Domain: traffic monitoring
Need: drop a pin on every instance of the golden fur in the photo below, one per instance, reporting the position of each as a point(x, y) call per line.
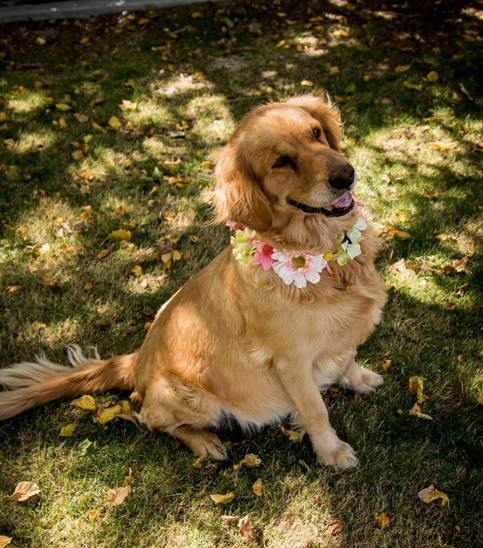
point(236, 342)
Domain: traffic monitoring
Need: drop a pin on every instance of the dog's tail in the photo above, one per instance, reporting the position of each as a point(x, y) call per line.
point(30, 384)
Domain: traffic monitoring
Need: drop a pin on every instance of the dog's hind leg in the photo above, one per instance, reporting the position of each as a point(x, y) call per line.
point(359, 379)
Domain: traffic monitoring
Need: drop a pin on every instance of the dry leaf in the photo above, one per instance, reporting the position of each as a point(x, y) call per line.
point(93, 514)
point(334, 70)
point(85, 402)
point(9, 144)
point(415, 411)
point(62, 106)
point(137, 271)
point(386, 365)
point(245, 528)
point(291, 434)
point(403, 68)
point(106, 415)
point(250, 461)
point(77, 155)
point(335, 528)
point(120, 234)
point(416, 388)
point(381, 520)
point(67, 431)
point(5, 541)
point(114, 122)
point(128, 479)
point(117, 496)
point(307, 83)
point(198, 463)
point(14, 288)
point(222, 499)
point(258, 488)
point(443, 145)
point(431, 493)
point(230, 519)
point(25, 490)
point(166, 258)
point(432, 76)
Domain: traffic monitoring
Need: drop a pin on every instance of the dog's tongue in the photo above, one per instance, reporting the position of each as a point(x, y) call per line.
point(344, 201)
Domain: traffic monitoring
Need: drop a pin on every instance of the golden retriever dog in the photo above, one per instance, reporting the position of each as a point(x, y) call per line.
point(273, 320)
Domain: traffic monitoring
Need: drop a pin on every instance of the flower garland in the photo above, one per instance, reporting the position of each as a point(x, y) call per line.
point(296, 268)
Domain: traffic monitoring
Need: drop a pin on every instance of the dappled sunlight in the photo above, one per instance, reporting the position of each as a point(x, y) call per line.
point(26, 102)
point(181, 84)
point(145, 112)
point(36, 141)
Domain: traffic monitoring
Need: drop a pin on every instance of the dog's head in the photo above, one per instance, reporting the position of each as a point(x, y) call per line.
point(283, 167)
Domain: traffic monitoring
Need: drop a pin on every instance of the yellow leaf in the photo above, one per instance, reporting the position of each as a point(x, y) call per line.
point(280, 44)
point(14, 288)
point(114, 122)
point(401, 215)
point(431, 493)
point(198, 463)
point(250, 461)
point(117, 496)
point(98, 127)
point(386, 365)
point(120, 234)
point(93, 514)
point(126, 407)
point(77, 155)
point(403, 68)
point(307, 83)
point(416, 388)
point(381, 520)
point(62, 123)
point(196, 15)
point(85, 40)
point(176, 255)
point(5, 541)
point(402, 235)
point(207, 165)
point(9, 144)
point(291, 434)
point(67, 431)
point(103, 254)
point(85, 402)
point(108, 414)
point(62, 106)
point(128, 479)
point(432, 76)
point(258, 488)
point(334, 70)
point(222, 499)
point(415, 411)
point(137, 271)
point(166, 258)
point(25, 490)
point(443, 145)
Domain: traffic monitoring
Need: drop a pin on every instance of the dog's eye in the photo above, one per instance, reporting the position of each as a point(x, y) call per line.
point(317, 133)
point(282, 161)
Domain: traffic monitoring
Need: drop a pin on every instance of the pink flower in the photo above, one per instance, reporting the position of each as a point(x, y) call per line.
point(298, 268)
point(263, 255)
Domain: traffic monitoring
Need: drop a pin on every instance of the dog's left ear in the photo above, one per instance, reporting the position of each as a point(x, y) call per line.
point(325, 113)
point(239, 198)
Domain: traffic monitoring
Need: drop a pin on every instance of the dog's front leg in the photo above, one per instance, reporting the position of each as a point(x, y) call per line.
point(298, 380)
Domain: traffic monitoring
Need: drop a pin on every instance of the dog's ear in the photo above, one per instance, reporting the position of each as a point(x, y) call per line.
point(325, 113)
point(239, 198)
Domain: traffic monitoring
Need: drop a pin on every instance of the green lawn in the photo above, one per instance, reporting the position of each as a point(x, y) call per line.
point(177, 81)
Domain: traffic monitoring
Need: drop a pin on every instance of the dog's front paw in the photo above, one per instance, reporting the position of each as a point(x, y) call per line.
point(364, 381)
point(339, 454)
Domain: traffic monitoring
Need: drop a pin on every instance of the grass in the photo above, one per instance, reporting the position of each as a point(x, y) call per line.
point(198, 70)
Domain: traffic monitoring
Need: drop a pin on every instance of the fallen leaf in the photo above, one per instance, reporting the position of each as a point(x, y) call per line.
point(85, 402)
point(386, 365)
point(335, 528)
point(415, 411)
point(230, 519)
point(334, 70)
point(117, 496)
point(14, 288)
point(114, 122)
point(81, 118)
point(381, 520)
point(291, 434)
point(207, 165)
point(222, 499)
point(307, 83)
point(9, 144)
point(93, 514)
point(103, 254)
point(84, 446)
point(128, 479)
point(198, 463)
point(108, 414)
point(25, 490)
point(77, 155)
point(5, 541)
point(416, 388)
point(258, 488)
point(402, 68)
point(166, 258)
point(443, 145)
point(120, 234)
point(62, 106)
point(409, 85)
point(245, 528)
point(137, 271)
point(432, 76)
point(250, 461)
point(431, 493)
point(67, 431)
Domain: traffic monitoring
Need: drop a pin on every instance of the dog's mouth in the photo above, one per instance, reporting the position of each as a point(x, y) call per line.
point(343, 206)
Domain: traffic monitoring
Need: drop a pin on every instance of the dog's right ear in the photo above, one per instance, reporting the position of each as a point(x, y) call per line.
point(239, 198)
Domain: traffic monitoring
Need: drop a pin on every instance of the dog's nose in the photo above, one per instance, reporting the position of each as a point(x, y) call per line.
point(342, 177)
